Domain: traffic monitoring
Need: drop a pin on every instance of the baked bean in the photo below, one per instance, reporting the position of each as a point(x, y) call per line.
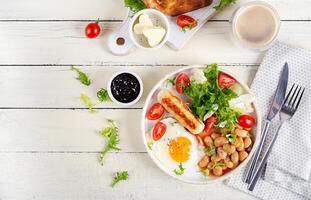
point(200, 141)
point(247, 142)
point(221, 153)
point(220, 141)
point(235, 158)
point(229, 148)
point(224, 167)
point(208, 141)
point(204, 162)
point(243, 155)
point(229, 164)
point(241, 146)
point(217, 171)
point(215, 158)
point(240, 132)
point(215, 135)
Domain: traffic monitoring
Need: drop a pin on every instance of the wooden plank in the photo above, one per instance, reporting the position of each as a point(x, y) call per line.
point(79, 176)
point(67, 130)
point(114, 10)
point(56, 86)
point(65, 43)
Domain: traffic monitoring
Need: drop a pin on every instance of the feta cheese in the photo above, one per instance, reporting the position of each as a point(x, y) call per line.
point(197, 76)
point(154, 35)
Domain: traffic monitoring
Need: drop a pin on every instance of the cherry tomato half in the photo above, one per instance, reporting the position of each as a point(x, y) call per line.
point(225, 80)
point(246, 121)
point(92, 30)
point(155, 112)
point(158, 131)
point(182, 81)
point(209, 124)
point(185, 21)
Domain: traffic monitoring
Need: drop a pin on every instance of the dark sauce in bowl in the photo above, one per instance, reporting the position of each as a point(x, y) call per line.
point(125, 87)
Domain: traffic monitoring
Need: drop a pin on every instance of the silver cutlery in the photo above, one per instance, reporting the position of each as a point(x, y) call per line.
point(288, 109)
point(274, 109)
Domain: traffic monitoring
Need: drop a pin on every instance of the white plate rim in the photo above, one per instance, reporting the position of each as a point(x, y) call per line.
point(208, 181)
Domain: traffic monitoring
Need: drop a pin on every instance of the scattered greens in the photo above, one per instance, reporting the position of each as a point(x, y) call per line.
point(82, 77)
point(210, 150)
point(111, 133)
point(224, 3)
point(205, 95)
point(180, 170)
point(119, 176)
point(150, 144)
point(87, 101)
point(170, 81)
point(103, 96)
point(135, 5)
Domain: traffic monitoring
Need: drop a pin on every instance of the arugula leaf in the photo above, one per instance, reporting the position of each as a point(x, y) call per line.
point(82, 77)
point(180, 170)
point(88, 103)
point(119, 176)
point(224, 3)
point(111, 133)
point(135, 5)
point(103, 96)
point(210, 150)
point(205, 95)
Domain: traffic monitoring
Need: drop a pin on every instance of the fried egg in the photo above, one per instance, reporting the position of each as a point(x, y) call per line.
point(177, 146)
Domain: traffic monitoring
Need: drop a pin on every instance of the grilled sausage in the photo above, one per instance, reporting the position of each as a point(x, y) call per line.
point(180, 111)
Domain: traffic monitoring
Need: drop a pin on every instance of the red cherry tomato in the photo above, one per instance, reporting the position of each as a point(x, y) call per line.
point(92, 30)
point(246, 121)
point(158, 131)
point(185, 21)
point(209, 124)
point(155, 112)
point(225, 80)
point(182, 81)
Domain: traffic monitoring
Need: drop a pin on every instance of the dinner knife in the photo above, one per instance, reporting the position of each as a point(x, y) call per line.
point(275, 108)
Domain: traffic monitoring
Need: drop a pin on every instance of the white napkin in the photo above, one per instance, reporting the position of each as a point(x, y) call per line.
point(289, 166)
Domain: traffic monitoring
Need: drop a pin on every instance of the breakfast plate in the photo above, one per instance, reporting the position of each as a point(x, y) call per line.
point(200, 124)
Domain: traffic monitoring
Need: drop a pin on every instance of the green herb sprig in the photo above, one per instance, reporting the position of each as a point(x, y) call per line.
point(103, 96)
point(82, 77)
point(119, 176)
point(180, 170)
point(224, 3)
point(135, 5)
point(88, 103)
point(111, 133)
point(210, 150)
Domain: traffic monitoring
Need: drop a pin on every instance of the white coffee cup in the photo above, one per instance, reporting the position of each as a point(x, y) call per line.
point(255, 25)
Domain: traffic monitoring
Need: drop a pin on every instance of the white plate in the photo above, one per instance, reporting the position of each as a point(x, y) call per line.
point(146, 125)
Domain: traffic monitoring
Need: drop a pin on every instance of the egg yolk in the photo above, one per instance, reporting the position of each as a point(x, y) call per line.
point(179, 149)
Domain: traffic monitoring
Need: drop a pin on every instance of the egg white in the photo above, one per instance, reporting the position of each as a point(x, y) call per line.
point(160, 147)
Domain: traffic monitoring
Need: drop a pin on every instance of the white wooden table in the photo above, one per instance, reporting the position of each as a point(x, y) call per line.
point(48, 142)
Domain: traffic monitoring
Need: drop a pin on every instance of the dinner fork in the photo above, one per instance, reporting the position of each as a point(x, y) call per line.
point(288, 110)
